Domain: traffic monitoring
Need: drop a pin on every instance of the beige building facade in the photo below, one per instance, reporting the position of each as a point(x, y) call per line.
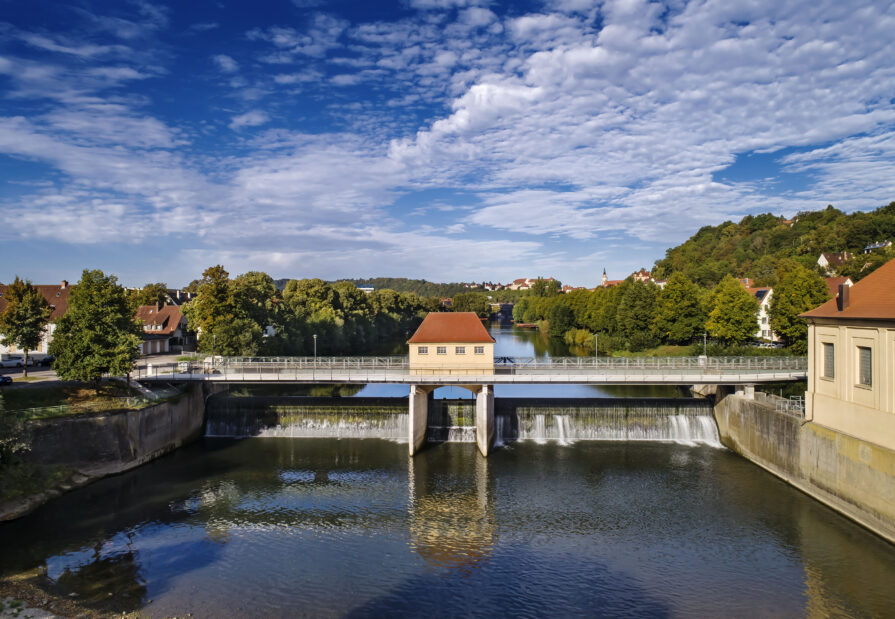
point(451, 343)
point(851, 354)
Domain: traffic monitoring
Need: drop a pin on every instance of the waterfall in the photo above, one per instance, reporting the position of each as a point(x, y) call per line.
point(679, 420)
point(307, 417)
point(451, 421)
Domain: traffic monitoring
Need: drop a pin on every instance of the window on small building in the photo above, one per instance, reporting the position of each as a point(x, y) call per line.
point(460, 350)
point(480, 350)
point(865, 366)
point(441, 350)
point(829, 361)
point(423, 350)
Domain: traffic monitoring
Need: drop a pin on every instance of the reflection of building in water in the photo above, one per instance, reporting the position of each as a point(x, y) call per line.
point(452, 522)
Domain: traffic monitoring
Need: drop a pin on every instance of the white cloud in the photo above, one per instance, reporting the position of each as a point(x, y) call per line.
point(252, 118)
point(225, 63)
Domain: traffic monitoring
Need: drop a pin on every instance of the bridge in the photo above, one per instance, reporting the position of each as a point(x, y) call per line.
point(506, 370)
point(746, 371)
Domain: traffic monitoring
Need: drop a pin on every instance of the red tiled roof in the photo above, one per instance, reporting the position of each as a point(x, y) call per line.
point(833, 284)
point(871, 298)
point(168, 317)
point(55, 294)
point(451, 327)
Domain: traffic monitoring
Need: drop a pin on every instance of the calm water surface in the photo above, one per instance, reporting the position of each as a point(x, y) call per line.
point(280, 527)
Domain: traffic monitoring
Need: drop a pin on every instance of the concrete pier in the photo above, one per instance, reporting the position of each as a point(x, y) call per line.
point(418, 422)
point(484, 418)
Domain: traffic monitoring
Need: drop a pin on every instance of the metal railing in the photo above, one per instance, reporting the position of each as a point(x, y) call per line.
point(794, 405)
point(291, 368)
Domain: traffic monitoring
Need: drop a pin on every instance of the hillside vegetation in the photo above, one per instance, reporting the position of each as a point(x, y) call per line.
point(764, 246)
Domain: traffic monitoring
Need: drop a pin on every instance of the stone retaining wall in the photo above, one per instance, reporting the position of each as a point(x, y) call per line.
point(854, 477)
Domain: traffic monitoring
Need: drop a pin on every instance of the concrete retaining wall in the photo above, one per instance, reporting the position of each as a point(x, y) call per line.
point(854, 477)
point(107, 443)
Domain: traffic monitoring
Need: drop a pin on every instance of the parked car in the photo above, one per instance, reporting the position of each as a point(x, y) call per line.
point(5, 380)
point(12, 361)
point(46, 361)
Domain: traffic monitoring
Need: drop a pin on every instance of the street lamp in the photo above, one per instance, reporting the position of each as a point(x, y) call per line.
point(704, 344)
point(315, 350)
point(596, 346)
point(214, 339)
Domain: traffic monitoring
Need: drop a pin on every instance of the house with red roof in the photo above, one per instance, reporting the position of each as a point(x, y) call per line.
point(851, 359)
point(164, 329)
point(57, 296)
point(451, 343)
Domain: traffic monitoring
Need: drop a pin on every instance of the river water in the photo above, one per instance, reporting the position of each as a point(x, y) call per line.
point(284, 527)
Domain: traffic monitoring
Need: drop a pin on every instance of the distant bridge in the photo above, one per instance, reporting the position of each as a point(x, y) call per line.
point(507, 370)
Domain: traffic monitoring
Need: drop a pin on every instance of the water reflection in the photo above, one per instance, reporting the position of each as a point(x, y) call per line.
point(452, 522)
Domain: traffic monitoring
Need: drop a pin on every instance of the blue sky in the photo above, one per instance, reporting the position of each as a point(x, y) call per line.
point(444, 139)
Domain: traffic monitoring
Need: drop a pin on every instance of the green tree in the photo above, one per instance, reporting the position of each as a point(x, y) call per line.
point(98, 334)
point(635, 312)
point(733, 317)
point(472, 302)
point(150, 294)
point(679, 316)
point(561, 319)
point(212, 308)
point(799, 291)
point(545, 287)
point(25, 319)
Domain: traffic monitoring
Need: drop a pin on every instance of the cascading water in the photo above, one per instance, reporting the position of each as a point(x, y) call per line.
point(451, 421)
point(679, 420)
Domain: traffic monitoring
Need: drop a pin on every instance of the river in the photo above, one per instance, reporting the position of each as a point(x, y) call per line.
point(283, 527)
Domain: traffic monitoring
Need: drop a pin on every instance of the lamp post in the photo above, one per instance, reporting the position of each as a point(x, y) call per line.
point(214, 339)
point(704, 344)
point(315, 350)
point(596, 347)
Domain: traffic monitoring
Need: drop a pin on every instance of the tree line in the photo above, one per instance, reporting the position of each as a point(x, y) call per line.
point(637, 315)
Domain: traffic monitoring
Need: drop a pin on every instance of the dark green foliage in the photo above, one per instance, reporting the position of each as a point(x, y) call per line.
point(799, 291)
point(545, 287)
point(150, 294)
point(754, 247)
point(679, 315)
point(635, 314)
point(98, 334)
point(25, 319)
point(733, 317)
point(561, 319)
point(472, 302)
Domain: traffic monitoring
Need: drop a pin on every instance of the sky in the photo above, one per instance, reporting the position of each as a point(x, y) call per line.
point(451, 140)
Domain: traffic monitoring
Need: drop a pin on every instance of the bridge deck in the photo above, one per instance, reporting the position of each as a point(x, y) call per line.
point(562, 370)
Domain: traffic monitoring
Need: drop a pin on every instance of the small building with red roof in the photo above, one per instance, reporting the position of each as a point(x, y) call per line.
point(451, 343)
point(851, 359)
point(163, 328)
point(57, 296)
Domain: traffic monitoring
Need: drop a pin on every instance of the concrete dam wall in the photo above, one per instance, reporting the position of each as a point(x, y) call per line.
point(854, 477)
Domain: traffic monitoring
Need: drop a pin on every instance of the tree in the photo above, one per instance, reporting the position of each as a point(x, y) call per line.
point(25, 319)
point(561, 319)
point(799, 291)
point(98, 334)
point(545, 287)
point(472, 302)
point(635, 312)
point(733, 318)
point(212, 307)
point(678, 316)
point(150, 294)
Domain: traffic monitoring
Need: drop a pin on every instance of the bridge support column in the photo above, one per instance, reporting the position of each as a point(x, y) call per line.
point(418, 418)
point(746, 391)
point(484, 418)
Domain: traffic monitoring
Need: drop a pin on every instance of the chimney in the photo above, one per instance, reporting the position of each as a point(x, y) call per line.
point(64, 284)
point(842, 298)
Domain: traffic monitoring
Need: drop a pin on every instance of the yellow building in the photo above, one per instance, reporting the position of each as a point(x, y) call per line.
point(451, 343)
point(851, 360)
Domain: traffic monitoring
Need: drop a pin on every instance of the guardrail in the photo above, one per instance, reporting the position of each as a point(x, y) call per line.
point(375, 368)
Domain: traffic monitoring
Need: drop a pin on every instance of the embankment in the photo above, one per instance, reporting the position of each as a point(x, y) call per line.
point(101, 444)
point(854, 477)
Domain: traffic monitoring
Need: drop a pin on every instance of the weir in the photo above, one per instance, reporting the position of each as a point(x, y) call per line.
point(560, 420)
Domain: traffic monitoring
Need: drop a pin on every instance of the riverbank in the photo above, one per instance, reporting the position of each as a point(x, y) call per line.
point(68, 452)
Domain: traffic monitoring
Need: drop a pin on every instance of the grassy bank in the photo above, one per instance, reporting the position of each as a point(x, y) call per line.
point(42, 401)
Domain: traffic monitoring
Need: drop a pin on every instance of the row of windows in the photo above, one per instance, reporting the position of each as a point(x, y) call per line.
point(458, 350)
point(865, 364)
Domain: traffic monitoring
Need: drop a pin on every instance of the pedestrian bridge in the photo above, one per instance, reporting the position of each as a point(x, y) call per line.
point(506, 370)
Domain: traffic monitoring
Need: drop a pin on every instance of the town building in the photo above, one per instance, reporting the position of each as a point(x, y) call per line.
point(642, 276)
point(57, 296)
point(851, 360)
point(451, 343)
point(878, 245)
point(164, 329)
point(763, 295)
point(830, 261)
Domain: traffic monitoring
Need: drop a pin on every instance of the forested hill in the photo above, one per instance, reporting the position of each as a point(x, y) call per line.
point(759, 246)
point(421, 287)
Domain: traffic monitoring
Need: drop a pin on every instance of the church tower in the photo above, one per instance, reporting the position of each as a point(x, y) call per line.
point(604, 279)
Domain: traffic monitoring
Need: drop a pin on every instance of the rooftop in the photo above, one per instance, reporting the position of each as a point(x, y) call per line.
point(871, 298)
point(463, 327)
